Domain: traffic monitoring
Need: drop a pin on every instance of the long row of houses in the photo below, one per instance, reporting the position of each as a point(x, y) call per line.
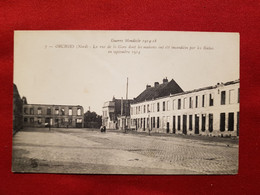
point(166, 108)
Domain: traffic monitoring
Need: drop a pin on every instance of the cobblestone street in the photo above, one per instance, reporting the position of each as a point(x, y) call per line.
point(90, 151)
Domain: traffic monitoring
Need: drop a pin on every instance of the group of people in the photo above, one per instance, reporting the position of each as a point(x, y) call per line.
point(103, 129)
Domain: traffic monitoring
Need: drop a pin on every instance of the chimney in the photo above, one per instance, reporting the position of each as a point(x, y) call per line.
point(156, 84)
point(165, 80)
point(24, 100)
point(148, 86)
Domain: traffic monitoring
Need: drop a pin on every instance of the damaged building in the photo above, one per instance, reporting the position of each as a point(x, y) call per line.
point(42, 115)
point(166, 108)
point(17, 110)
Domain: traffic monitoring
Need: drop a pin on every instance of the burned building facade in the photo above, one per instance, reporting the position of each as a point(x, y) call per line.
point(41, 115)
point(212, 111)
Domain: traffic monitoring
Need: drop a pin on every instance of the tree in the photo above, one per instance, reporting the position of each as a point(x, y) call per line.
point(92, 120)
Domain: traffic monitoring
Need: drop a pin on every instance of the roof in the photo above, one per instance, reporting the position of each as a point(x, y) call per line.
point(211, 87)
point(204, 88)
point(164, 89)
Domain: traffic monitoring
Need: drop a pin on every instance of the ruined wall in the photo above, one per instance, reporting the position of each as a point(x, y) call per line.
point(17, 110)
point(39, 115)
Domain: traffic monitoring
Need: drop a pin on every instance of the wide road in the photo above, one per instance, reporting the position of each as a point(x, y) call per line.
point(90, 151)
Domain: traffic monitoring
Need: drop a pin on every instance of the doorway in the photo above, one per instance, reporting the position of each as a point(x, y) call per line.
point(231, 121)
point(173, 125)
point(197, 120)
point(222, 121)
point(184, 124)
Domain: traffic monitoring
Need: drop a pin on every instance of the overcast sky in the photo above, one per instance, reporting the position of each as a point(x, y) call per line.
point(45, 73)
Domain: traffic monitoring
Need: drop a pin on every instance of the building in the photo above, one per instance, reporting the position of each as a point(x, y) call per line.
point(17, 110)
point(212, 111)
point(115, 112)
point(159, 90)
point(41, 115)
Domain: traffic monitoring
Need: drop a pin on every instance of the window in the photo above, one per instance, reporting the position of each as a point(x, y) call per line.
point(211, 100)
point(148, 108)
point(78, 120)
point(190, 122)
point(163, 106)
point(144, 108)
point(79, 112)
point(184, 103)
point(191, 102)
point(223, 98)
point(158, 106)
point(25, 120)
point(39, 121)
point(179, 104)
point(31, 111)
point(173, 102)
point(25, 110)
point(39, 111)
point(210, 122)
point(57, 111)
point(168, 105)
point(32, 120)
point(153, 122)
point(62, 111)
point(48, 111)
point(158, 122)
point(196, 101)
point(203, 100)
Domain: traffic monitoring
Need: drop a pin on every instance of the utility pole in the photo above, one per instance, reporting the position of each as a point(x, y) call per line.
point(126, 104)
point(122, 112)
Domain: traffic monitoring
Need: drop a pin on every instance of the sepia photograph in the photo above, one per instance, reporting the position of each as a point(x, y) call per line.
point(126, 102)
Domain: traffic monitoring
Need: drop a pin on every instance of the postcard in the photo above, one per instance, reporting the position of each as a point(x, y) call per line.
point(126, 102)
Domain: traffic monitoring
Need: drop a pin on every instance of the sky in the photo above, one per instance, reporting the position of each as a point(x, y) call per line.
point(88, 68)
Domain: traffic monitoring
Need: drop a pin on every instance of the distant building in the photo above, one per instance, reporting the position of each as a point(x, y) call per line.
point(114, 112)
point(17, 110)
point(41, 115)
point(212, 111)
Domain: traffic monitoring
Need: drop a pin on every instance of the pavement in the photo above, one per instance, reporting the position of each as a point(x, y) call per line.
point(88, 151)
